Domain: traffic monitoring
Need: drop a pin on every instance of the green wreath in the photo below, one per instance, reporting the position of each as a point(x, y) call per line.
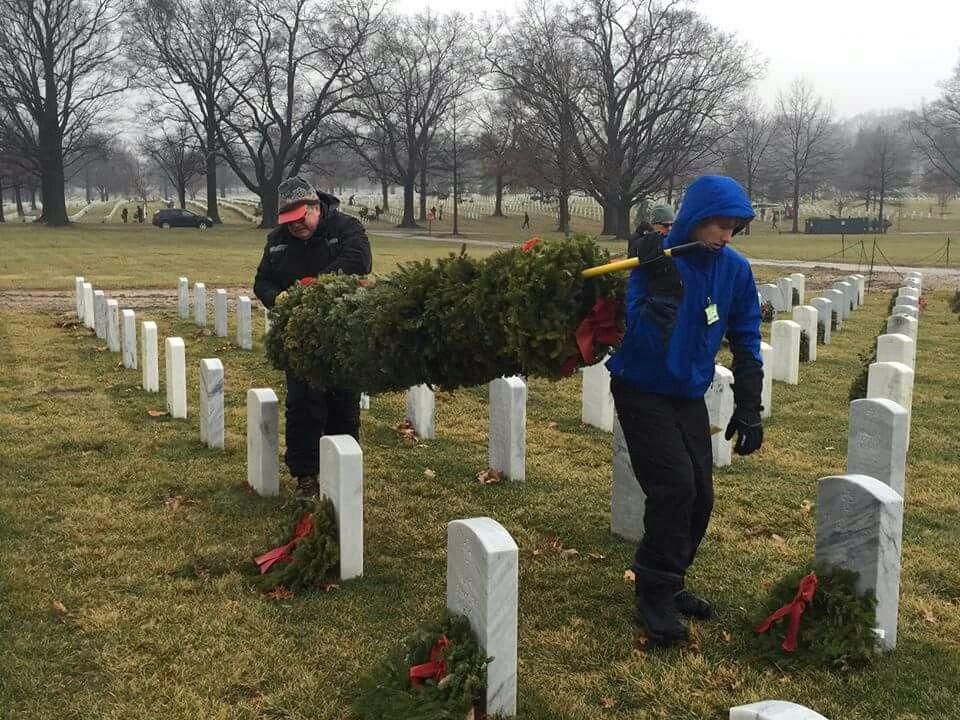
point(315, 561)
point(387, 692)
point(837, 626)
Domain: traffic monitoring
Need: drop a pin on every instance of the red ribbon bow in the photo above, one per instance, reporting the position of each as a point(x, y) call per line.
point(794, 608)
point(530, 244)
point(599, 326)
point(283, 553)
point(306, 282)
point(436, 668)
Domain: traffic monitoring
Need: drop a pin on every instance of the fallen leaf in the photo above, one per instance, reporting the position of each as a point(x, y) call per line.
point(177, 502)
point(929, 617)
point(552, 425)
point(806, 506)
point(157, 413)
point(569, 553)
point(490, 476)
point(428, 473)
point(597, 556)
point(328, 586)
point(830, 447)
point(60, 610)
point(778, 540)
point(629, 577)
point(607, 702)
point(538, 552)
point(101, 349)
point(279, 593)
point(727, 636)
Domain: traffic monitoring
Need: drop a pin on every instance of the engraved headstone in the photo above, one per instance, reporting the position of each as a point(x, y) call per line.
point(200, 304)
point(877, 441)
point(100, 314)
point(895, 347)
point(837, 299)
point(911, 310)
point(766, 393)
point(771, 293)
point(824, 308)
point(799, 281)
point(903, 324)
point(78, 295)
point(596, 402)
point(785, 338)
point(183, 299)
point(421, 407)
point(211, 402)
point(807, 317)
point(220, 313)
point(149, 359)
point(507, 451)
point(263, 441)
point(244, 323)
point(341, 480)
point(113, 326)
point(89, 307)
point(785, 286)
point(176, 376)
point(719, 400)
point(129, 339)
point(908, 291)
point(774, 710)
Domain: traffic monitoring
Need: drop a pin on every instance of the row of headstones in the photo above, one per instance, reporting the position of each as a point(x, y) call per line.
point(482, 557)
point(860, 514)
point(220, 314)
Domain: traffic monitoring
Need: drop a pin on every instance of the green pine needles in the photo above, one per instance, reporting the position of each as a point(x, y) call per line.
point(316, 559)
point(804, 346)
point(837, 627)
point(453, 322)
point(386, 693)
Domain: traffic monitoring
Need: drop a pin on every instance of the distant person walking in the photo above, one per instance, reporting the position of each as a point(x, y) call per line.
point(526, 221)
point(139, 214)
point(125, 215)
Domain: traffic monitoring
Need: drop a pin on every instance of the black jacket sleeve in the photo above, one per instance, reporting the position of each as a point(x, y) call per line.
point(265, 286)
point(354, 257)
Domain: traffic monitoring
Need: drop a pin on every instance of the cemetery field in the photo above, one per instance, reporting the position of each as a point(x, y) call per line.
point(126, 546)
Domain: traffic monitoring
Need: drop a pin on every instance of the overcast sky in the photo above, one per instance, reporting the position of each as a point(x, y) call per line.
point(861, 55)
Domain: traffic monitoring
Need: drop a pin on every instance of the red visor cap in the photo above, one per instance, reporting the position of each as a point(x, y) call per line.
point(293, 214)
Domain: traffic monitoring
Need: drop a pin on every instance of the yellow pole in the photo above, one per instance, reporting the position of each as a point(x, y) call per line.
point(633, 262)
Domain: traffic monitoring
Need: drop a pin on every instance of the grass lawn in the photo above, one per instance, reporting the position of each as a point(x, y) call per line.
point(158, 618)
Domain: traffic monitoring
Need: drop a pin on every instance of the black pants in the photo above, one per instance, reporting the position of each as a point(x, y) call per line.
point(670, 449)
point(311, 414)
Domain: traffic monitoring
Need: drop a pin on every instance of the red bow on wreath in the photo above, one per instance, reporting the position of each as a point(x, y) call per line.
point(794, 608)
point(283, 553)
point(436, 668)
point(530, 244)
point(599, 326)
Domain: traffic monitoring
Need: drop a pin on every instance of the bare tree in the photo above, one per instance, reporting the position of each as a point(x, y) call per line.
point(177, 154)
point(882, 161)
point(805, 141)
point(299, 75)
point(57, 73)
point(936, 130)
point(748, 143)
point(663, 90)
point(419, 66)
point(497, 144)
point(185, 51)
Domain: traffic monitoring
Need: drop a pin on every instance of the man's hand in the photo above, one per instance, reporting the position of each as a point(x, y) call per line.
point(748, 429)
point(306, 282)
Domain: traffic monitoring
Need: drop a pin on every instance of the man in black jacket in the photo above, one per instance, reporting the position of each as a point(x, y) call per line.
point(313, 238)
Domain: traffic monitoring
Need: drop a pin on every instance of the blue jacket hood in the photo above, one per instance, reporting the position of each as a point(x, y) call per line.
point(708, 196)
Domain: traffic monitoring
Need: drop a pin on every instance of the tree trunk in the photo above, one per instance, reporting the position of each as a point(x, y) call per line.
point(50, 158)
point(423, 191)
point(880, 199)
point(86, 185)
point(33, 198)
point(385, 192)
point(746, 230)
point(269, 200)
point(563, 211)
point(2, 218)
point(670, 190)
point(796, 205)
point(18, 197)
point(498, 202)
point(182, 196)
point(610, 212)
point(210, 127)
point(408, 184)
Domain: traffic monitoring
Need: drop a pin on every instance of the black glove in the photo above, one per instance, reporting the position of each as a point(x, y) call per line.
point(663, 274)
point(747, 427)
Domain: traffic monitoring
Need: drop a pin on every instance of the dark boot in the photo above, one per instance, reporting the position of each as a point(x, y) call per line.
point(307, 486)
point(656, 611)
point(693, 606)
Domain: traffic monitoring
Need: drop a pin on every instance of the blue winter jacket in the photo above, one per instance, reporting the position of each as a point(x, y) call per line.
point(670, 349)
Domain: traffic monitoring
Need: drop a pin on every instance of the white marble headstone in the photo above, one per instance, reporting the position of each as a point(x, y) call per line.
point(244, 323)
point(903, 324)
point(848, 290)
point(837, 299)
point(910, 310)
point(627, 499)
point(78, 293)
point(507, 451)
point(341, 480)
point(824, 308)
point(785, 285)
point(149, 360)
point(364, 401)
point(785, 338)
point(220, 313)
point(183, 299)
point(129, 339)
point(807, 317)
point(200, 304)
point(774, 710)
point(907, 300)
point(263, 441)
point(877, 441)
point(719, 399)
point(896, 347)
point(799, 281)
point(596, 402)
point(908, 291)
point(859, 528)
point(113, 326)
point(100, 314)
point(421, 407)
point(766, 393)
point(771, 293)
point(175, 359)
point(89, 307)
point(482, 585)
point(211, 402)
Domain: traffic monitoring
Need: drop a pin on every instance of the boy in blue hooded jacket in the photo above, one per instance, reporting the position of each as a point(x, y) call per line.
point(678, 310)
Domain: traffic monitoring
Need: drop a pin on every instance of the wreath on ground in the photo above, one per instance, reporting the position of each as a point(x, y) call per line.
point(453, 322)
point(438, 672)
point(768, 313)
point(834, 628)
point(308, 556)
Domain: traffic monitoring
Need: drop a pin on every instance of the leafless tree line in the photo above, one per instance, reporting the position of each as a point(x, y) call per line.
point(621, 100)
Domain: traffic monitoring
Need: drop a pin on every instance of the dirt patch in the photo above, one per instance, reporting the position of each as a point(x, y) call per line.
point(27, 300)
